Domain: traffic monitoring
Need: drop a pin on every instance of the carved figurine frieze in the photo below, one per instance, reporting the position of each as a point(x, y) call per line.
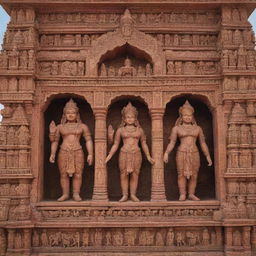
point(65, 68)
point(130, 158)
point(20, 212)
point(187, 40)
point(71, 155)
point(192, 68)
point(126, 71)
point(22, 16)
point(67, 40)
point(13, 58)
point(187, 158)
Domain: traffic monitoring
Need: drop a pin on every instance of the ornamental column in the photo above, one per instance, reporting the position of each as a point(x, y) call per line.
point(11, 233)
point(100, 175)
point(27, 239)
point(228, 237)
point(158, 187)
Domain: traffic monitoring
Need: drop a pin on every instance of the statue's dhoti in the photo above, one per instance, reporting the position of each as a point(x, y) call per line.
point(188, 163)
point(130, 161)
point(71, 161)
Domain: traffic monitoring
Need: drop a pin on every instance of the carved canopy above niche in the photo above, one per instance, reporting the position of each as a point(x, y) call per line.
point(126, 34)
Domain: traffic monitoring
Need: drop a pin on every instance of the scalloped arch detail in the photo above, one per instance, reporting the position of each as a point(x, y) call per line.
point(140, 40)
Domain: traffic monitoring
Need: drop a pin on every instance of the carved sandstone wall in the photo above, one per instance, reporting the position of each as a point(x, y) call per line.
point(198, 50)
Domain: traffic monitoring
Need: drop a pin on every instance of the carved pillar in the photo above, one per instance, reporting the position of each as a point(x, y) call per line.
point(253, 238)
point(228, 236)
point(27, 239)
point(247, 237)
point(11, 238)
point(158, 188)
point(100, 176)
point(219, 236)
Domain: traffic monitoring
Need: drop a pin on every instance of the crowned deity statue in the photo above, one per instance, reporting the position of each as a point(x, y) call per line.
point(130, 158)
point(70, 156)
point(127, 70)
point(187, 157)
point(127, 23)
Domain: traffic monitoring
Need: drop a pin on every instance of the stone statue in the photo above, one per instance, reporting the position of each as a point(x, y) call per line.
point(170, 237)
point(127, 70)
point(130, 158)
point(14, 58)
point(187, 158)
point(71, 155)
point(127, 23)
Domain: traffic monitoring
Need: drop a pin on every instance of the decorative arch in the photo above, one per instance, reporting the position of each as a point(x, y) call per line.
point(139, 40)
point(48, 98)
point(207, 98)
point(134, 96)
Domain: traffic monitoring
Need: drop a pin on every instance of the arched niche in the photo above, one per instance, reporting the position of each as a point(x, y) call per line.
point(51, 177)
point(116, 58)
point(114, 118)
point(205, 189)
point(138, 40)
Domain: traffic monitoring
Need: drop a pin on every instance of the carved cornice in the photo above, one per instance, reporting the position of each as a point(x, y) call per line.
point(128, 3)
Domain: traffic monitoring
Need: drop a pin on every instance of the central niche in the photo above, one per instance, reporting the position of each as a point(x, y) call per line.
point(114, 119)
point(125, 61)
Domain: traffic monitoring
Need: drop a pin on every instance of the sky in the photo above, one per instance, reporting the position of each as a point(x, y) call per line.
point(4, 19)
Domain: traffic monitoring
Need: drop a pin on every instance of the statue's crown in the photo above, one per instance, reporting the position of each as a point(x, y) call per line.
point(70, 105)
point(187, 106)
point(129, 109)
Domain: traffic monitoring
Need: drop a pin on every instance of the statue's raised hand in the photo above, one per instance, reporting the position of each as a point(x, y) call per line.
point(111, 132)
point(52, 127)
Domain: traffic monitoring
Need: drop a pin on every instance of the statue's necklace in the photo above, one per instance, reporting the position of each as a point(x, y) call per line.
point(71, 126)
point(130, 129)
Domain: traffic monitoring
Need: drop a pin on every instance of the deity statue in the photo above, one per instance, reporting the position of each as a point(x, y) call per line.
point(130, 158)
point(127, 70)
point(71, 155)
point(127, 23)
point(187, 158)
point(14, 58)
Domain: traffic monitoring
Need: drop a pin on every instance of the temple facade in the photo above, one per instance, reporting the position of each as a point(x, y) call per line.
point(102, 61)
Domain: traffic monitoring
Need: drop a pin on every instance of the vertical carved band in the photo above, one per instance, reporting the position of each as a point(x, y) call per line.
point(158, 188)
point(100, 176)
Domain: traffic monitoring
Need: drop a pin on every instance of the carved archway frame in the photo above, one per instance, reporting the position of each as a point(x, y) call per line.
point(137, 39)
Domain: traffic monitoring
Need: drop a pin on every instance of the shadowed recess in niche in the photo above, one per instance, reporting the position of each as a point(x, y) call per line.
point(52, 188)
point(206, 179)
point(114, 118)
point(117, 56)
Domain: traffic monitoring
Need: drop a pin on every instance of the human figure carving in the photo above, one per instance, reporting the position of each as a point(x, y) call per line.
point(130, 158)
point(71, 156)
point(187, 158)
point(14, 58)
point(127, 23)
point(127, 70)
